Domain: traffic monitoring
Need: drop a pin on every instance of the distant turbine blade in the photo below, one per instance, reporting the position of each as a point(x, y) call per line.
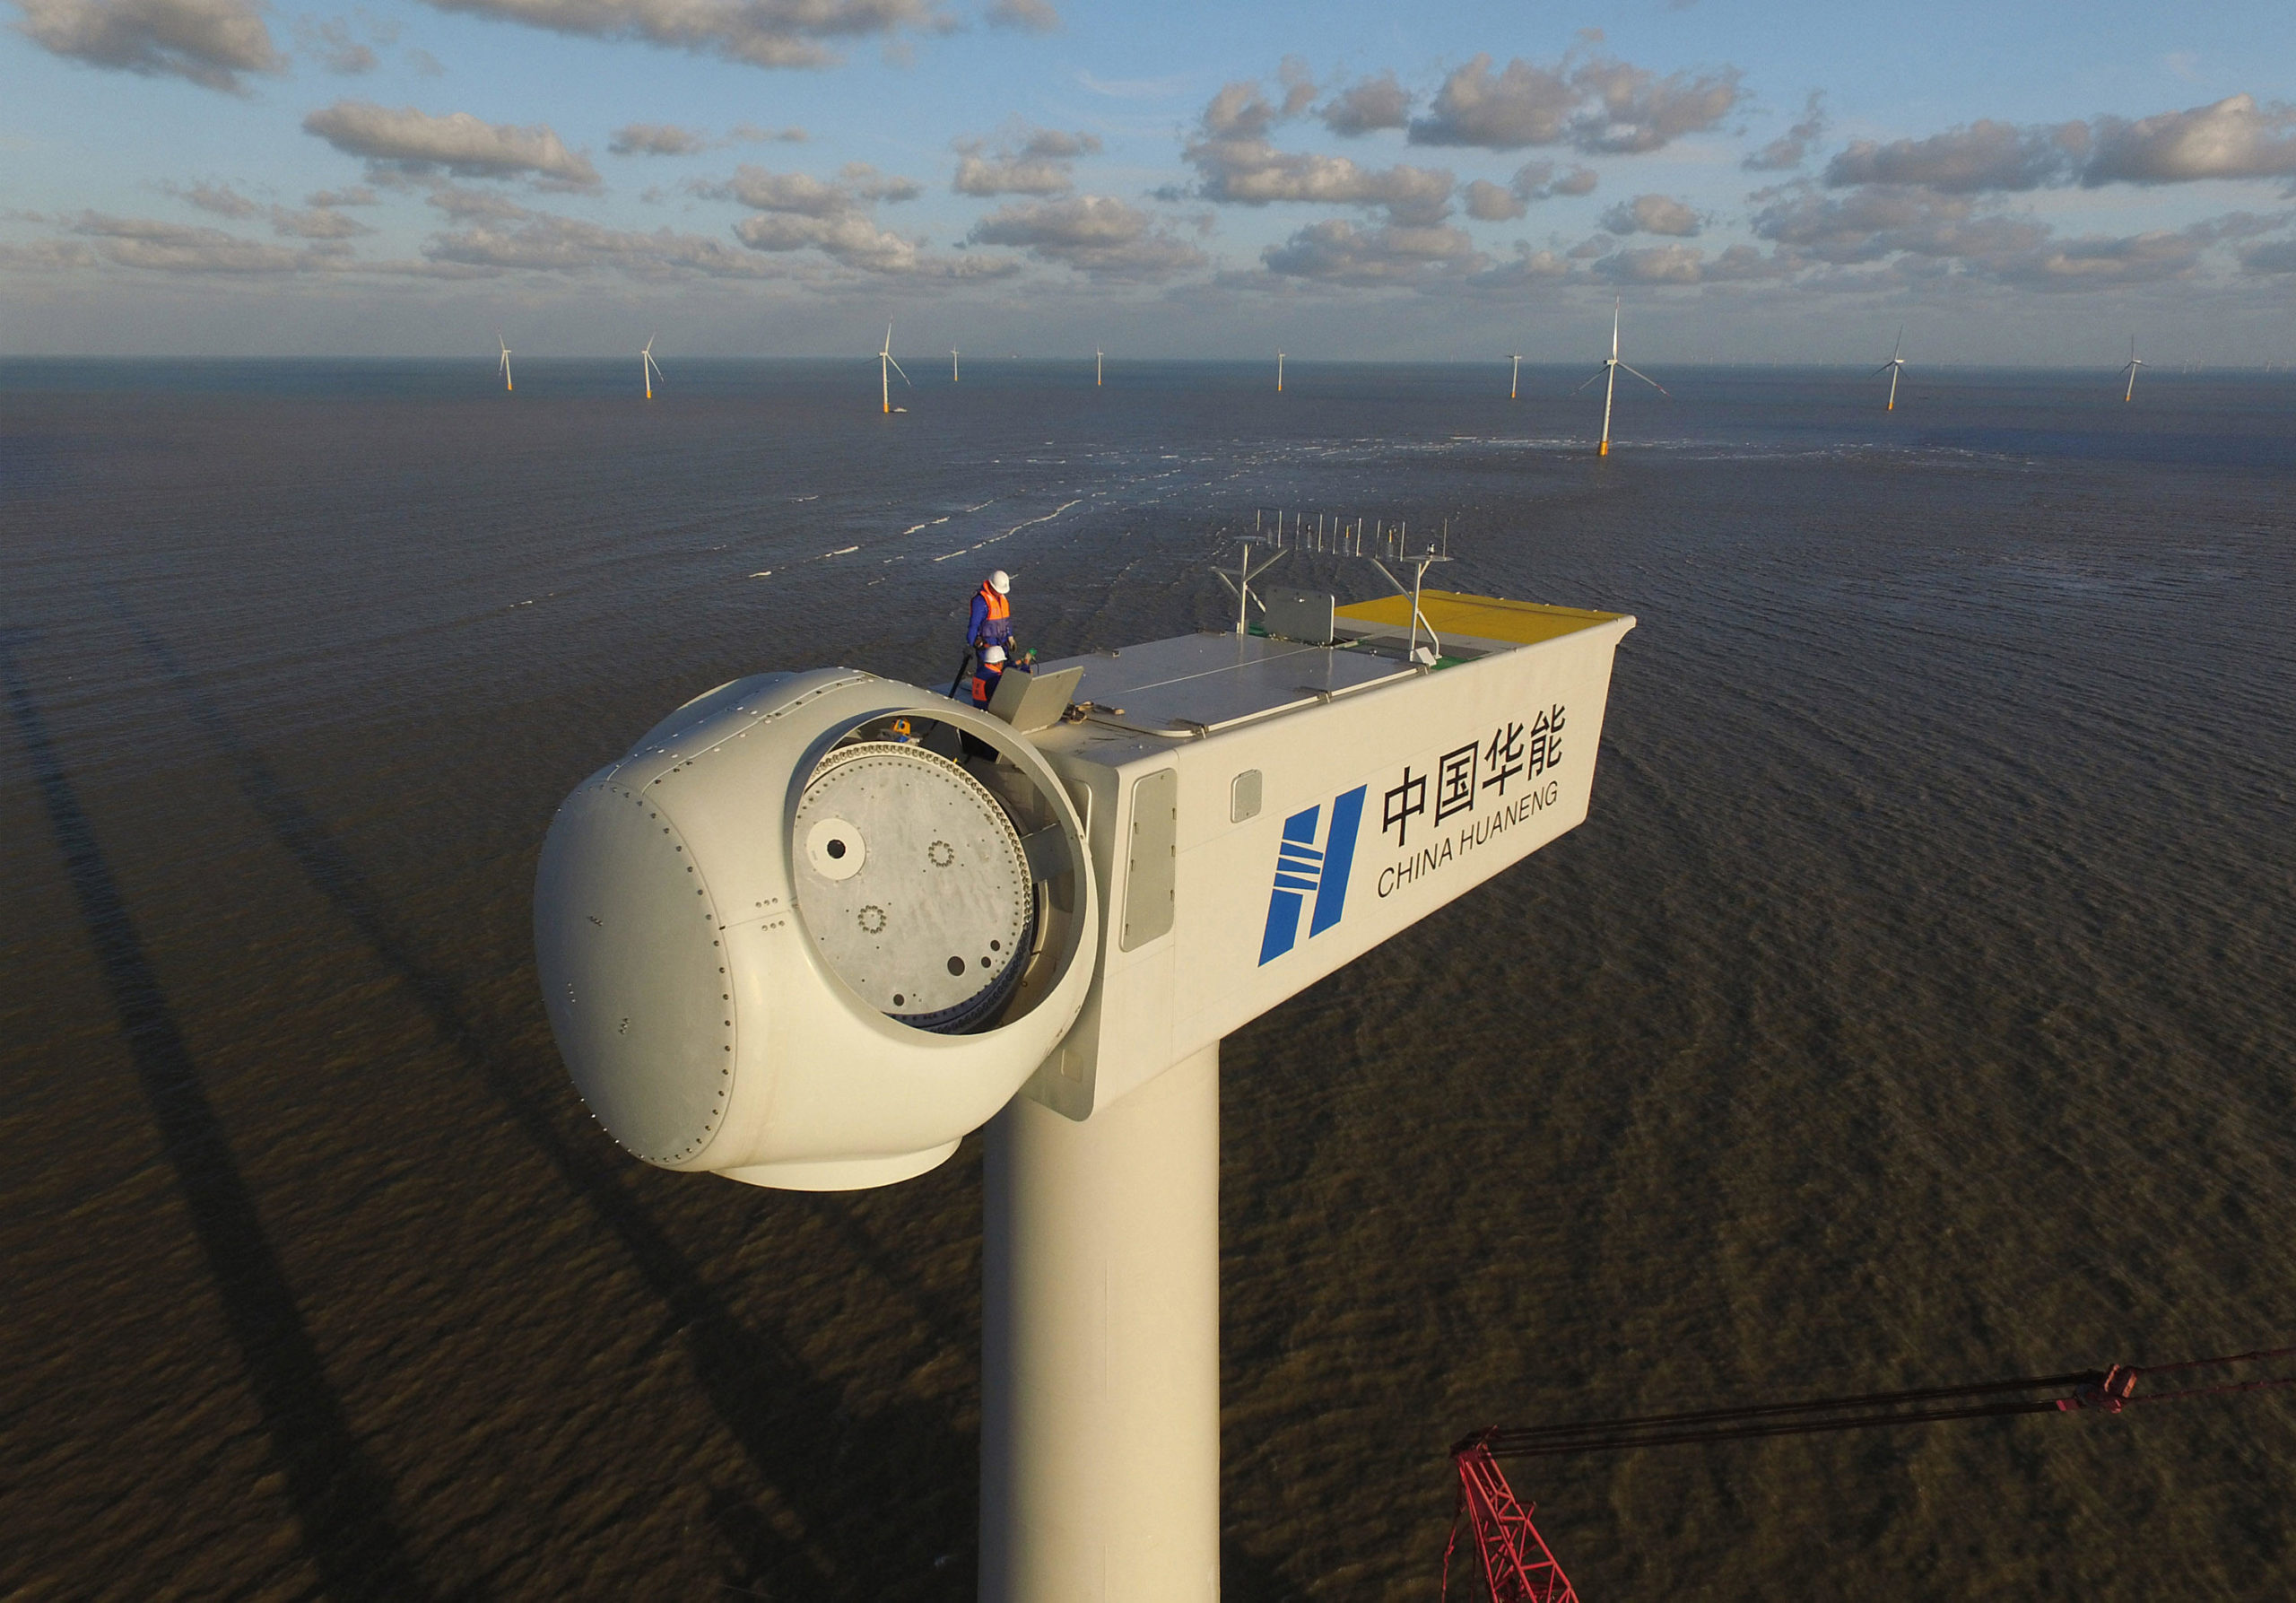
point(904, 377)
point(1597, 373)
point(1899, 346)
point(1647, 380)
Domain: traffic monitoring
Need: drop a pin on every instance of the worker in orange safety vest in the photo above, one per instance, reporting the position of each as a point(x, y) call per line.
point(992, 614)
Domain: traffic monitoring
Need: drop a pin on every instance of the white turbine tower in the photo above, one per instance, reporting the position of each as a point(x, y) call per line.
point(887, 367)
point(952, 363)
point(1515, 378)
point(506, 363)
point(1279, 372)
point(648, 369)
point(2130, 368)
point(1895, 365)
point(1098, 356)
point(1608, 373)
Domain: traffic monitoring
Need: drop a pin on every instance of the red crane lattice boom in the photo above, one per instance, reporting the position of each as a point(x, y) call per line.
point(1517, 1567)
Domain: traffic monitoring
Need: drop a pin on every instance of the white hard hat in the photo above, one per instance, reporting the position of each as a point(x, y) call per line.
point(993, 655)
point(1001, 582)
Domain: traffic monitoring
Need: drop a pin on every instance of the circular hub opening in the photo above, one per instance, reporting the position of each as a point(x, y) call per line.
point(914, 883)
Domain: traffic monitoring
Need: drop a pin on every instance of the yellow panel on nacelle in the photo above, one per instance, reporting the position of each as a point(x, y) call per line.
point(1479, 617)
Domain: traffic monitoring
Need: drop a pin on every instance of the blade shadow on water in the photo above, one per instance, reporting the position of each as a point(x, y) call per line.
point(825, 1464)
point(341, 1499)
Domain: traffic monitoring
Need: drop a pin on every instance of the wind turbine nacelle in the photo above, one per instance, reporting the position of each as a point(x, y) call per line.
point(781, 942)
point(1263, 810)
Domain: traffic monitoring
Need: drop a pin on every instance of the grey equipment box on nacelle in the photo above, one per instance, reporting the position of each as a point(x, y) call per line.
point(1032, 701)
point(1302, 615)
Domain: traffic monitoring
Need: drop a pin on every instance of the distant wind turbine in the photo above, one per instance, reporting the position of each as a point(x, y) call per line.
point(886, 368)
point(1279, 372)
point(952, 363)
point(648, 369)
point(1097, 355)
point(1515, 378)
point(1608, 373)
point(506, 363)
point(1893, 366)
point(2130, 393)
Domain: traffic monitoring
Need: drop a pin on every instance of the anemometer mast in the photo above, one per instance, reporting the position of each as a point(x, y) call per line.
point(802, 936)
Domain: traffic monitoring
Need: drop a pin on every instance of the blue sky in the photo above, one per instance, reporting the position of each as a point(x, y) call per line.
point(1781, 182)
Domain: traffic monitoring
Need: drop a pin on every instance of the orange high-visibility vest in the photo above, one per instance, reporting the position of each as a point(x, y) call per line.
point(997, 627)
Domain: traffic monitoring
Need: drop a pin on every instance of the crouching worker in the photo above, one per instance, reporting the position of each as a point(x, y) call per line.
point(985, 677)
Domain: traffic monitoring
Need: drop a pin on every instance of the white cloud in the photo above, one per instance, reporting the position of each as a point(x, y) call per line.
point(220, 199)
point(1239, 166)
point(1534, 180)
point(175, 248)
point(1531, 268)
point(316, 223)
point(671, 139)
point(2231, 139)
point(1336, 251)
point(2098, 262)
point(1638, 111)
point(798, 212)
point(48, 256)
point(337, 48)
point(476, 206)
point(1367, 105)
point(2277, 255)
point(1029, 16)
point(768, 33)
point(210, 42)
point(1522, 104)
point(1686, 264)
point(1092, 233)
point(1878, 220)
point(1652, 214)
point(1790, 148)
point(1488, 202)
point(1022, 160)
point(658, 139)
point(546, 242)
point(1981, 155)
point(414, 142)
point(1601, 105)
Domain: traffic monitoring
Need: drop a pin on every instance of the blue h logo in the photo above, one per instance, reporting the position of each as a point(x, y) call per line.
point(1301, 868)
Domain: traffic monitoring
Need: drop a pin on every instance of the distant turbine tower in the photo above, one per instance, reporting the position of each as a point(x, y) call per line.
point(1097, 354)
point(1893, 366)
point(1279, 372)
point(952, 363)
point(648, 369)
point(1608, 373)
point(886, 368)
point(1514, 379)
point(2130, 393)
point(505, 363)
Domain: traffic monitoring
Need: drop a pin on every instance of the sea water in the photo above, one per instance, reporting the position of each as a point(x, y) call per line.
point(1914, 1007)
